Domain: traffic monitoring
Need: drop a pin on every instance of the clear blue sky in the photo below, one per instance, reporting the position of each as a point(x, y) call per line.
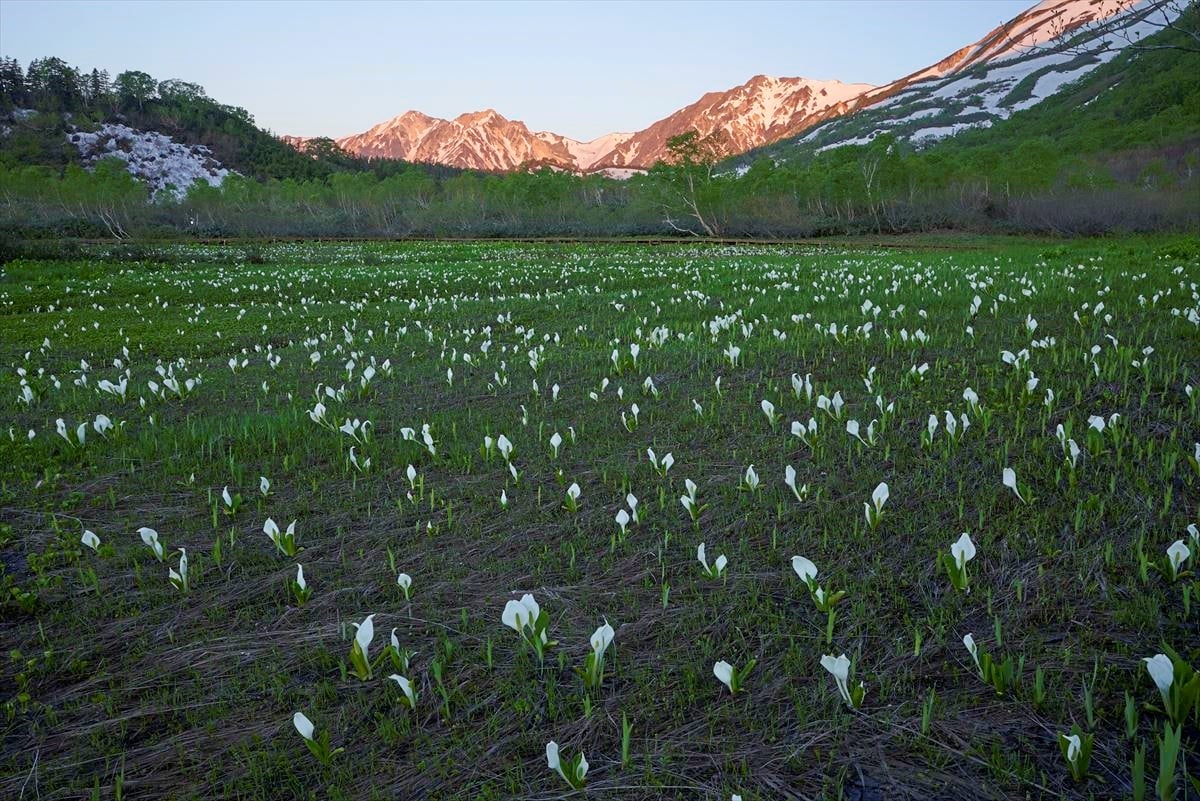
point(578, 69)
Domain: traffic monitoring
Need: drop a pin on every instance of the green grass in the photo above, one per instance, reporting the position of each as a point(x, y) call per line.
point(115, 684)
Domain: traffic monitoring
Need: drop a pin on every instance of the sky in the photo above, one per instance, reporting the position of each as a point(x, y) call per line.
point(580, 69)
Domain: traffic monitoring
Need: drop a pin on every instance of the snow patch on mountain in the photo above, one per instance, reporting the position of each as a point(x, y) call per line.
point(158, 160)
point(587, 154)
point(1014, 67)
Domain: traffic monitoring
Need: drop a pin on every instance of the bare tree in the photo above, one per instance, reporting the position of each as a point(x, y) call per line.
point(1119, 18)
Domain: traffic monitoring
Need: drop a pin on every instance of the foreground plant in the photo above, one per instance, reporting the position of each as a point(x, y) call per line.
point(150, 538)
point(840, 667)
point(179, 579)
point(360, 662)
point(573, 772)
point(531, 622)
point(955, 562)
point(1171, 563)
point(716, 571)
point(1077, 750)
point(1002, 676)
point(285, 541)
point(230, 502)
point(410, 695)
point(874, 509)
point(90, 539)
point(572, 498)
point(319, 746)
point(1169, 747)
point(731, 677)
point(299, 587)
point(593, 668)
point(1009, 479)
point(824, 601)
point(689, 502)
point(1178, 685)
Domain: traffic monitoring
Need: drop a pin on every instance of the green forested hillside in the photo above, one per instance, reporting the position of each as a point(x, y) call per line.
point(67, 97)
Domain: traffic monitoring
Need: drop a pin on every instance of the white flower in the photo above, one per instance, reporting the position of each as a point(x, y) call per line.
point(1162, 672)
point(840, 668)
point(880, 495)
point(724, 673)
point(601, 639)
point(150, 537)
point(303, 725)
point(963, 550)
point(1010, 480)
point(969, 643)
point(90, 539)
point(406, 687)
point(1073, 747)
point(805, 569)
point(718, 567)
point(555, 764)
point(1178, 553)
point(519, 614)
point(364, 634)
point(750, 479)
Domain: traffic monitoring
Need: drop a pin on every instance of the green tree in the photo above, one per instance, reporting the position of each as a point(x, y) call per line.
point(135, 89)
point(689, 174)
point(12, 84)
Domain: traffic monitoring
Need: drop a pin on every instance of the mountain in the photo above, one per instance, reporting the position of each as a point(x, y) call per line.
point(761, 110)
point(1013, 66)
point(480, 140)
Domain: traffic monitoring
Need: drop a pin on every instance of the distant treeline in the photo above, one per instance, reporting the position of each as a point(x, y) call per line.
point(67, 97)
point(1127, 159)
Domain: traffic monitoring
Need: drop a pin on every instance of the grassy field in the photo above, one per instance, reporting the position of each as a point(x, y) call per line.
point(1075, 366)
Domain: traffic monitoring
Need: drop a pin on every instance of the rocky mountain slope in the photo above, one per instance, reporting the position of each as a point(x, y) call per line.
point(1014, 67)
point(481, 140)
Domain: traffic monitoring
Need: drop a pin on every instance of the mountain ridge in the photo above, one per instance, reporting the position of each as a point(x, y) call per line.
point(762, 111)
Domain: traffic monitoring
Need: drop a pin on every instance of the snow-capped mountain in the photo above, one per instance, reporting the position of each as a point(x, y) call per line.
point(481, 140)
point(759, 111)
point(1013, 66)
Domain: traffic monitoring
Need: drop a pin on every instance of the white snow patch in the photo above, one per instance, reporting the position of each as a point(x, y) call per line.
point(621, 173)
point(151, 157)
point(916, 115)
point(942, 131)
point(588, 153)
point(859, 140)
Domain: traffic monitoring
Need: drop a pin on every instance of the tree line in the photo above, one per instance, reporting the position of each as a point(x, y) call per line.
point(1126, 160)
